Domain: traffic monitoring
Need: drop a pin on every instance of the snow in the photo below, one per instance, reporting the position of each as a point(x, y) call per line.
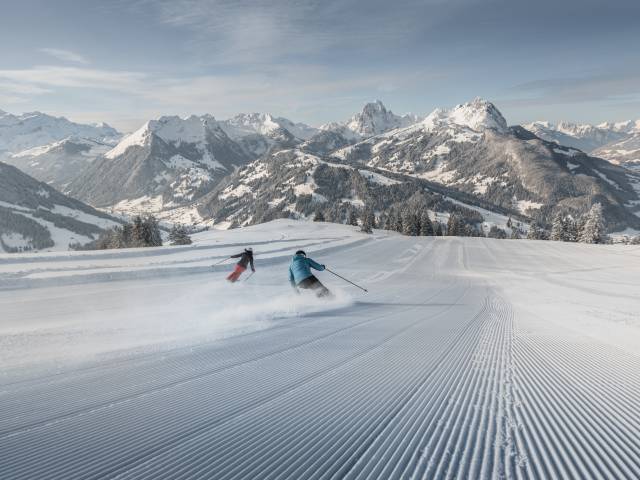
point(622, 235)
point(378, 178)
point(524, 205)
point(303, 189)
point(142, 204)
point(265, 124)
point(13, 240)
point(477, 115)
point(238, 191)
point(176, 130)
point(608, 180)
point(356, 202)
point(439, 173)
point(61, 237)
point(569, 152)
point(468, 358)
point(173, 130)
point(137, 138)
point(490, 218)
point(185, 215)
point(572, 166)
point(36, 131)
point(36, 151)
point(83, 216)
point(178, 161)
point(14, 206)
point(481, 183)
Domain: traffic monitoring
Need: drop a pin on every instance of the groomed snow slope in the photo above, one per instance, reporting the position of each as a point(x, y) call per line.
point(468, 358)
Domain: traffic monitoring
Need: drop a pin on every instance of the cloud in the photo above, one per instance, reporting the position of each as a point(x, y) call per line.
point(612, 86)
point(75, 77)
point(285, 90)
point(65, 55)
point(237, 32)
point(22, 88)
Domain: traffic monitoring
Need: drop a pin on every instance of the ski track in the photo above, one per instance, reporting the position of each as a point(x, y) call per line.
point(447, 379)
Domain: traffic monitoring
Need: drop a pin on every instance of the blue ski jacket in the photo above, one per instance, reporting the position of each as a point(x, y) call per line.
point(300, 269)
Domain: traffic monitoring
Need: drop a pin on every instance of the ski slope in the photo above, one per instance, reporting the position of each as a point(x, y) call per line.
point(468, 358)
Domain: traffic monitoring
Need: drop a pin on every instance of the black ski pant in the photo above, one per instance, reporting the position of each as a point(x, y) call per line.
point(314, 284)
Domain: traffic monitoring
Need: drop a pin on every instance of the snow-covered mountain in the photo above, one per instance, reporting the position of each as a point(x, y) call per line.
point(166, 164)
point(35, 129)
point(477, 115)
point(470, 148)
point(466, 153)
point(294, 183)
point(624, 152)
point(613, 141)
point(59, 163)
point(265, 124)
point(35, 216)
point(374, 119)
point(259, 132)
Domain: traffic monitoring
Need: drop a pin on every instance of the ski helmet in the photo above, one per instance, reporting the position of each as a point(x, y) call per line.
point(248, 249)
point(301, 252)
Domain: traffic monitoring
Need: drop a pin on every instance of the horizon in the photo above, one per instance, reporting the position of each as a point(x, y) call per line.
point(420, 115)
point(127, 61)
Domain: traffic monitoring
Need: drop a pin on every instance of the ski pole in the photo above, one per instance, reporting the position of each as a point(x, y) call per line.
point(249, 276)
point(221, 261)
point(340, 276)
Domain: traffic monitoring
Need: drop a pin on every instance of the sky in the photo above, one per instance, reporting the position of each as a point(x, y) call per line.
point(126, 61)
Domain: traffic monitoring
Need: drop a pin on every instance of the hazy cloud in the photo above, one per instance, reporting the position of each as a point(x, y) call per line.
point(621, 85)
point(65, 55)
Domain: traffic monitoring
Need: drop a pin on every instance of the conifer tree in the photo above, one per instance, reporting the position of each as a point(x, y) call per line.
point(352, 219)
point(410, 223)
point(426, 227)
point(454, 226)
point(534, 232)
point(390, 223)
point(438, 229)
point(571, 229)
point(593, 230)
point(137, 232)
point(151, 232)
point(319, 216)
point(559, 228)
point(496, 232)
point(398, 224)
point(368, 221)
point(179, 235)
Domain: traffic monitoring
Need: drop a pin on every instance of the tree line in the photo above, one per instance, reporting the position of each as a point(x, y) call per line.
point(413, 220)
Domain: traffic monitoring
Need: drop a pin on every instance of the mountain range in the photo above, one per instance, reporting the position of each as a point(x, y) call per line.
point(35, 129)
point(618, 142)
point(465, 155)
point(254, 167)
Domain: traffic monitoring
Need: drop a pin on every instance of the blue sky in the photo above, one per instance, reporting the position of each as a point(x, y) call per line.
point(126, 61)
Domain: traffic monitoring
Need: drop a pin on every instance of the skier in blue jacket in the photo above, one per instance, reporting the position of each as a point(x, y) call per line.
point(300, 275)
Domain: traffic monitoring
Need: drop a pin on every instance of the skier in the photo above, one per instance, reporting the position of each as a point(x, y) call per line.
point(300, 275)
point(246, 258)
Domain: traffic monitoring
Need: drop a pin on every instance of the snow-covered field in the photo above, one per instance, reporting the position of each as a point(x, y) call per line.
point(468, 358)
